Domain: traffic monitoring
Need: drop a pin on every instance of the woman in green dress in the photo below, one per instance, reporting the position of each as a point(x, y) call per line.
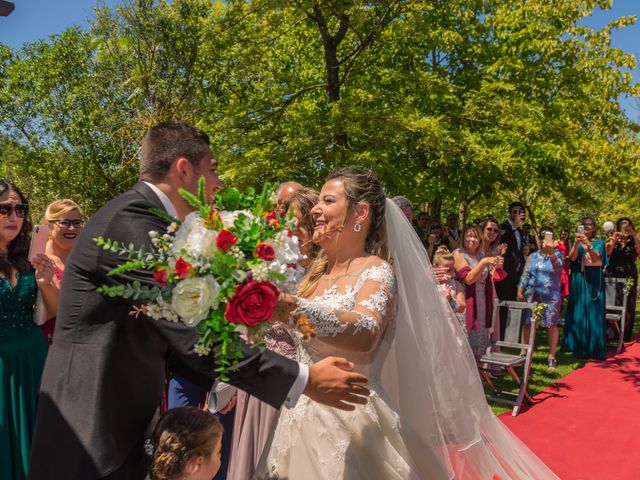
point(22, 346)
point(585, 326)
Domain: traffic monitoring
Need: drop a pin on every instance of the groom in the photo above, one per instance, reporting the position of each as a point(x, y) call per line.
point(105, 373)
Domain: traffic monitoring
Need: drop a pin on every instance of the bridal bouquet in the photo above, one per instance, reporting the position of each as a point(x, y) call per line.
point(219, 271)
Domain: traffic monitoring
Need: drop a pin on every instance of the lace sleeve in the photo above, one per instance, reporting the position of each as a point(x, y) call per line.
point(359, 328)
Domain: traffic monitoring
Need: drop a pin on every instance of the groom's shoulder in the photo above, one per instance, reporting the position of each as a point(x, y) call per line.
point(134, 201)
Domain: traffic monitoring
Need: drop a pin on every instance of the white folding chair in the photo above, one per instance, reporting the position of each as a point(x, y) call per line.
point(616, 308)
point(504, 359)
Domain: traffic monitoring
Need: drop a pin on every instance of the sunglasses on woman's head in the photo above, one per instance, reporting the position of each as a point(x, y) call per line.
point(20, 209)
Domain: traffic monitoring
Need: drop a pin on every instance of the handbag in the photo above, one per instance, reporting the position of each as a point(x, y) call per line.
point(39, 311)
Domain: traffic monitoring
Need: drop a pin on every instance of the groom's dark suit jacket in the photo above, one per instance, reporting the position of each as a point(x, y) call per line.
point(105, 373)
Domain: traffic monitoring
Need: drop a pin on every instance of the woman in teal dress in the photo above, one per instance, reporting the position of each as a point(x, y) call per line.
point(585, 326)
point(22, 346)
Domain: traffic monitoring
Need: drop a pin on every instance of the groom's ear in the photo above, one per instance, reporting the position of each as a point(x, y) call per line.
point(182, 169)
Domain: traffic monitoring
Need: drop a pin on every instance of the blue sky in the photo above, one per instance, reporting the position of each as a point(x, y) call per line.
point(35, 19)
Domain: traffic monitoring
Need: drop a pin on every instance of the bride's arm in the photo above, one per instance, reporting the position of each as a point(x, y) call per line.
point(359, 329)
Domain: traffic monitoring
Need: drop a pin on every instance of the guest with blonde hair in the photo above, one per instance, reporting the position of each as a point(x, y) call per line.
point(65, 221)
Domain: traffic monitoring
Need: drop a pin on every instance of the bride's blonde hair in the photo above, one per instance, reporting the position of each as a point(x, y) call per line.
point(360, 185)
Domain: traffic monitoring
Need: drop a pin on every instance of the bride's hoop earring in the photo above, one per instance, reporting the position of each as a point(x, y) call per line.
point(357, 227)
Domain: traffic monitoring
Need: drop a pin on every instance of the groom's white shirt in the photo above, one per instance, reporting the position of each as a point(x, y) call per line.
point(303, 370)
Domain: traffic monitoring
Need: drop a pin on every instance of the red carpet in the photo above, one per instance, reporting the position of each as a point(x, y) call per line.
point(587, 426)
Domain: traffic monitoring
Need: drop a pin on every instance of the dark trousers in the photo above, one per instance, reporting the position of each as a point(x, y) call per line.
point(134, 468)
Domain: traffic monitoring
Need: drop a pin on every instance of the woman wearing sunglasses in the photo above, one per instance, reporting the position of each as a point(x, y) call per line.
point(65, 221)
point(22, 346)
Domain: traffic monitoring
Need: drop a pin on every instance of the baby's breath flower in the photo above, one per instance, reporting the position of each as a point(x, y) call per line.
point(260, 272)
point(201, 349)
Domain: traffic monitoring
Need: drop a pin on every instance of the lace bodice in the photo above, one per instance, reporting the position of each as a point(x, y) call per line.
point(350, 317)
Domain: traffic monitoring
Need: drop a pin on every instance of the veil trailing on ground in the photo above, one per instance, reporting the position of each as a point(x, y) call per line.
point(429, 375)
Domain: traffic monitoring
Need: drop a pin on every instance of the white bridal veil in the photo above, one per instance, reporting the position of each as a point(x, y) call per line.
point(429, 375)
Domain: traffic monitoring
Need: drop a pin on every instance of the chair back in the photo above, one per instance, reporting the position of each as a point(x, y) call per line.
point(615, 292)
point(516, 315)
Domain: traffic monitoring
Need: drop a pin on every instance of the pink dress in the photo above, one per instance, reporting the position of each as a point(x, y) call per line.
point(50, 325)
point(564, 276)
point(255, 420)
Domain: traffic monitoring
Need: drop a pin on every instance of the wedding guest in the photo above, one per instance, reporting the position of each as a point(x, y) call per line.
point(285, 192)
point(407, 208)
point(512, 236)
point(529, 238)
point(185, 445)
point(453, 222)
point(254, 420)
point(436, 239)
point(623, 250)
point(22, 346)
point(564, 247)
point(473, 270)
point(452, 290)
point(584, 331)
point(540, 283)
point(491, 237)
point(424, 221)
point(65, 221)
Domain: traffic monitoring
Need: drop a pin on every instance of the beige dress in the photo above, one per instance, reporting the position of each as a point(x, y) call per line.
point(316, 442)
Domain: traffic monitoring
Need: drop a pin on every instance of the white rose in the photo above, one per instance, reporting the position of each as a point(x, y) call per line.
point(287, 248)
point(229, 217)
point(194, 237)
point(194, 297)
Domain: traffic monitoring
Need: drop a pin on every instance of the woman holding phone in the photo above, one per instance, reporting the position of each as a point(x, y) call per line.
point(540, 282)
point(65, 222)
point(623, 249)
point(584, 331)
point(22, 346)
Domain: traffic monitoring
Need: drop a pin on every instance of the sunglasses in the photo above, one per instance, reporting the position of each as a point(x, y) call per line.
point(494, 230)
point(68, 223)
point(20, 209)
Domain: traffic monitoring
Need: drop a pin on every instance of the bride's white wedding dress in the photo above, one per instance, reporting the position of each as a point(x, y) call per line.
point(427, 417)
point(313, 441)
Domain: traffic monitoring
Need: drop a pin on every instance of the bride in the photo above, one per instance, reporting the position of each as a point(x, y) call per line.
point(373, 299)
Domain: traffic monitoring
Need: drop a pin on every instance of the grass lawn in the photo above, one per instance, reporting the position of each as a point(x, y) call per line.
point(541, 377)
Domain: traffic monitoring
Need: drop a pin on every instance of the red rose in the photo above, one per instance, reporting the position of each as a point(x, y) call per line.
point(160, 277)
point(182, 267)
point(265, 252)
point(225, 240)
point(252, 304)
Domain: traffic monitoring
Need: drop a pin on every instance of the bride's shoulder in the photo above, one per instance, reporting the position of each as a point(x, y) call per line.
point(377, 269)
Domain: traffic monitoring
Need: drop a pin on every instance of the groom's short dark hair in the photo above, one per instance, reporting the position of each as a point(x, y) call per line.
point(168, 141)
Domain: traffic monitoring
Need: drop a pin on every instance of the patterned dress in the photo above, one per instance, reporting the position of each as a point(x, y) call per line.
point(316, 442)
point(541, 284)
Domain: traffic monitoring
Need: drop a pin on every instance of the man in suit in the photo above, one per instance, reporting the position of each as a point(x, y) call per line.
point(105, 373)
point(512, 236)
